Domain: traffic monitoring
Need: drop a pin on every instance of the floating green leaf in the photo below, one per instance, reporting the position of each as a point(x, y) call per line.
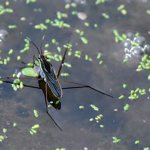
point(10, 51)
point(105, 15)
point(12, 26)
point(67, 65)
point(137, 142)
point(98, 118)
point(124, 85)
point(101, 126)
point(81, 107)
point(116, 140)
point(2, 138)
point(1, 82)
point(65, 74)
point(4, 10)
point(134, 94)
point(121, 97)
point(91, 119)
point(126, 107)
point(14, 124)
point(26, 46)
point(17, 84)
point(34, 129)
point(94, 107)
point(144, 63)
point(4, 130)
point(36, 114)
point(61, 15)
point(59, 23)
point(118, 37)
point(84, 40)
point(122, 9)
point(148, 11)
point(99, 2)
point(29, 71)
point(30, 1)
point(41, 26)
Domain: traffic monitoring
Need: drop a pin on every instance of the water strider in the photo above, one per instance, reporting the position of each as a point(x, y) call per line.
point(49, 81)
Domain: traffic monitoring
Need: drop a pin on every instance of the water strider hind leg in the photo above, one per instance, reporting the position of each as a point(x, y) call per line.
point(79, 85)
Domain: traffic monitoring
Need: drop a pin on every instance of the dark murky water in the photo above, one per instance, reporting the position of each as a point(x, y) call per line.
point(78, 132)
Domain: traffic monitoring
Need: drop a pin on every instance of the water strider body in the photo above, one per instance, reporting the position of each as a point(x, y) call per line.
point(48, 82)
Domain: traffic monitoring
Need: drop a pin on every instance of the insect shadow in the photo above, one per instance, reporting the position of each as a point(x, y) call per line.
point(49, 80)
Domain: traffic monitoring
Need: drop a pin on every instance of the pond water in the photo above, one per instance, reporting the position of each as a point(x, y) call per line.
point(91, 27)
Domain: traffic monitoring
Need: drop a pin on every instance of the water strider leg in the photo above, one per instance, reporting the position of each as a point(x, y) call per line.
point(34, 60)
point(42, 43)
point(25, 85)
point(6, 80)
point(84, 86)
point(61, 64)
point(9, 78)
point(34, 45)
point(87, 86)
point(46, 101)
point(73, 87)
